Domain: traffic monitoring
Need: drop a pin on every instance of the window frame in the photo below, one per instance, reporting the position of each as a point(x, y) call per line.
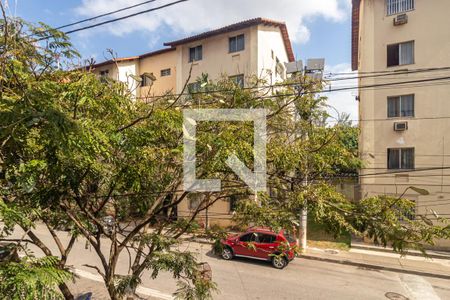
point(166, 72)
point(145, 80)
point(399, 54)
point(194, 87)
point(239, 80)
point(195, 198)
point(261, 236)
point(399, 98)
point(253, 235)
point(400, 156)
point(198, 53)
point(104, 75)
point(393, 12)
point(236, 43)
point(233, 201)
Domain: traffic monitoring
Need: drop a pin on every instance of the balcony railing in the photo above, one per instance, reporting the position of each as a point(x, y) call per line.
point(399, 6)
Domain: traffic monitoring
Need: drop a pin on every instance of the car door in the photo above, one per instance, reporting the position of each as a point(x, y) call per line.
point(242, 245)
point(265, 245)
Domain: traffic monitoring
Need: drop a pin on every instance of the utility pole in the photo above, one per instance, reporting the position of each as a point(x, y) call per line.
point(304, 217)
point(314, 68)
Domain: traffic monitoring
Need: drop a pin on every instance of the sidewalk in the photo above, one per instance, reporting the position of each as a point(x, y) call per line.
point(378, 260)
point(431, 253)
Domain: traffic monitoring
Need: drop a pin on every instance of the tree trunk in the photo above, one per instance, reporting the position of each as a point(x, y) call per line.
point(112, 291)
point(66, 292)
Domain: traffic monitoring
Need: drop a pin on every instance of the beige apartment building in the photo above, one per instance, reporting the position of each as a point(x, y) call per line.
point(256, 47)
point(405, 127)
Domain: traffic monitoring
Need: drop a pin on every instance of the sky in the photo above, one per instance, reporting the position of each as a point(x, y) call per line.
point(319, 28)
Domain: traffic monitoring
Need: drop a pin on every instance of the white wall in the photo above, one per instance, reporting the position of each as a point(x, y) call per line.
point(126, 69)
point(270, 39)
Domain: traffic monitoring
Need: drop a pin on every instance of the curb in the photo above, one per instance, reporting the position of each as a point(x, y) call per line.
point(374, 267)
point(198, 241)
point(387, 250)
point(355, 264)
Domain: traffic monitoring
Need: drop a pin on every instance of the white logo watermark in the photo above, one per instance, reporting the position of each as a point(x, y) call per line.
point(255, 180)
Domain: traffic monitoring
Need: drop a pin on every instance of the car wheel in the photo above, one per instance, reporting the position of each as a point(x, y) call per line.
point(279, 262)
point(227, 253)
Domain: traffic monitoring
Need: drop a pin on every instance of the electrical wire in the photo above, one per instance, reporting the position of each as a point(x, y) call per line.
point(395, 73)
point(391, 84)
point(117, 19)
point(104, 14)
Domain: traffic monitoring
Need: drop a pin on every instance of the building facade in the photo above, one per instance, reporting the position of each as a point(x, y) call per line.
point(401, 49)
point(257, 47)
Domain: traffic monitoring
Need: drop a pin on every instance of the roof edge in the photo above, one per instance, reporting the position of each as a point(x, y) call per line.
point(238, 26)
point(131, 58)
point(356, 4)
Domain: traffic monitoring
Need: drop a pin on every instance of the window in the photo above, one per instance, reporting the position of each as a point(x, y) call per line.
point(290, 238)
point(238, 80)
point(401, 106)
point(237, 43)
point(194, 201)
point(165, 72)
point(279, 68)
point(147, 79)
point(194, 87)
point(401, 158)
point(405, 213)
point(398, 6)
point(400, 54)
point(249, 237)
point(266, 238)
point(234, 200)
point(195, 53)
point(104, 75)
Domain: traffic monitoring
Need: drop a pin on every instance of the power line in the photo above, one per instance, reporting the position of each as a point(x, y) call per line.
point(401, 72)
point(104, 15)
point(99, 16)
point(118, 19)
point(304, 93)
point(374, 72)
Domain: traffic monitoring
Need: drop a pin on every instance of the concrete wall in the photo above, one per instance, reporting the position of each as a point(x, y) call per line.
point(125, 69)
point(121, 71)
point(150, 64)
point(218, 214)
point(270, 47)
point(154, 64)
point(217, 61)
point(428, 131)
point(255, 60)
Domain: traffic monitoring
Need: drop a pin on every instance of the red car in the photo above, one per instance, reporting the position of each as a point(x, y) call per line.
point(262, 244)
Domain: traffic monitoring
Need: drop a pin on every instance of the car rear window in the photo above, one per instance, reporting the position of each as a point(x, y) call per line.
point(266, 238)
point(290, 238)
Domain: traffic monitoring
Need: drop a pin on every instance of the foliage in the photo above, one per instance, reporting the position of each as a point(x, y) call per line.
point(32, 278)
point(75, 149)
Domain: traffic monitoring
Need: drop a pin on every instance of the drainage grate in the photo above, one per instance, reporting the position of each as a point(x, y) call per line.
point(395, 296)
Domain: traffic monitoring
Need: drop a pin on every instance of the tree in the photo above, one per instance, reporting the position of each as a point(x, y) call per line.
point(76, 149)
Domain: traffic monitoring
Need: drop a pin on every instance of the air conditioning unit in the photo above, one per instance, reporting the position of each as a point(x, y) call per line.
point(400, 126)
point(400, 19)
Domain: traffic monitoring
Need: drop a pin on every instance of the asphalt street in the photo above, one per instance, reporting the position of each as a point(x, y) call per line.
point(248, 279)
